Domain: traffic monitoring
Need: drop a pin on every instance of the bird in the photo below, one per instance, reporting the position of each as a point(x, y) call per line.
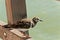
point(24, 25)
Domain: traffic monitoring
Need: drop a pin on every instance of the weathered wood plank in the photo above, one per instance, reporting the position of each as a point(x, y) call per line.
point(6, 34)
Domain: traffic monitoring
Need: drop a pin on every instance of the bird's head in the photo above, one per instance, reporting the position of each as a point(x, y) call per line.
point(36, 19)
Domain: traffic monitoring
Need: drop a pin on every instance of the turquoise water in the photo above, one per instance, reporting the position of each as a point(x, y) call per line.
point(48, 11)
point(3, 16)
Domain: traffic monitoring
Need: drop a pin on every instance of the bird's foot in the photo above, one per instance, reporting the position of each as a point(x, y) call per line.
point(26, 37)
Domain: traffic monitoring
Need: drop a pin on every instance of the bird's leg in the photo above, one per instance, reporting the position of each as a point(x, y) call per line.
point(25, 35)
point(22, 32)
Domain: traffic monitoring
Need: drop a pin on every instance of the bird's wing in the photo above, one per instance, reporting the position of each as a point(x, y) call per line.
point(26, 20)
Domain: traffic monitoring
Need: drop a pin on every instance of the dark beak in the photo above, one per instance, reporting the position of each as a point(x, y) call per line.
point(41, 20)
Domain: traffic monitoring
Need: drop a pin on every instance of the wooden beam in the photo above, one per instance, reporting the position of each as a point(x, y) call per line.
point(6, 34)
point(16, 10)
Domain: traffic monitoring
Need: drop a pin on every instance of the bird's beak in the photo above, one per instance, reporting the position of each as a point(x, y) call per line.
point(41, 20)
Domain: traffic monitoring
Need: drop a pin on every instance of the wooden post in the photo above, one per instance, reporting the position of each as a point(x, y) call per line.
point(16, 10)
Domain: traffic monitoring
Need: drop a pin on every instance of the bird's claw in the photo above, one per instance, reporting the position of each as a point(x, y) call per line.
point(26, 37)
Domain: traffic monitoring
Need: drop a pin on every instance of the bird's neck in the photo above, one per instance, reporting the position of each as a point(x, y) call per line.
point(34, 22)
